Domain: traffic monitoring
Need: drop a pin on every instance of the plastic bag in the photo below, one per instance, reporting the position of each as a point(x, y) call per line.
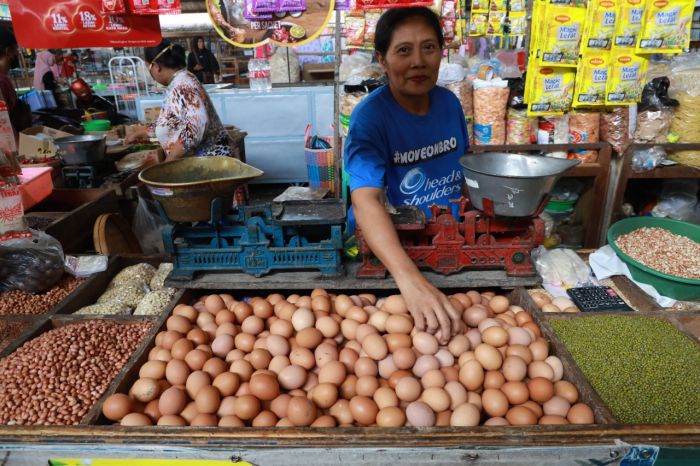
point(614, 129)
point(148, 227)
point(584, 128)
point(353, 65)
point(284, 66)
point(554, 130)
point(653, 126)
point(519, 127)
point(450, 73)
point(490, 103)
point(647, 159)
point(562, 267)
point(31, 264)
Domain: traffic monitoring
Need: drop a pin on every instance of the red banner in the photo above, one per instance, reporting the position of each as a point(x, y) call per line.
point(155, 7)
point(43, 24)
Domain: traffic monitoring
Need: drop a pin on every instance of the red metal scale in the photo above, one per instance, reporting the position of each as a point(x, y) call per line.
point(476, 240)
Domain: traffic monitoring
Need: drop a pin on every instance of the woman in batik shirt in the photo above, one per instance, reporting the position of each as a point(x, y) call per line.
point(188, 124)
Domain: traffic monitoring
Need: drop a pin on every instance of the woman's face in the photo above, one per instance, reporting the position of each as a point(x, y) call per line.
point(200, 44)
point(158, 73)
point(412, 61)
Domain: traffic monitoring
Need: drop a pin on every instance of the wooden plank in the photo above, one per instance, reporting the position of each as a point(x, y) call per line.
point(634, 295)
point(304, 280)
point(572, 373)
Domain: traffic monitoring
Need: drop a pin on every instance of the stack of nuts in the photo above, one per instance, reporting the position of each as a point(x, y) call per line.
point(20, 302)
point(547, 304)
point(57, 377)
point(326, 360)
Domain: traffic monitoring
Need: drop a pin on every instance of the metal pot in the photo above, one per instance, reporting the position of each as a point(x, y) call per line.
point(516, 183)
point(81, 150)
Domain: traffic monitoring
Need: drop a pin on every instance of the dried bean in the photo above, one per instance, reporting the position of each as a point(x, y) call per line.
point(661, 250)
point(9, 331)
point(59, 391)
point(20, 302)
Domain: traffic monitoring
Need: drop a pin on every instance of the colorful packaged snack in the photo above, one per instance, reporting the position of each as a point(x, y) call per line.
point(602, 15)
point(250, 15)
point(552, 91)
point(629, 23)
point(479, 5)
point(666, 27)
point(448, 28)
point(478, 23)
point(371, 20)
point(517, 6)
point(517, 23)
point(626, 77)
point(497, 5)
point(292, 5)
point(561, 34)
point(355, 31)
point(592, 79)
point(495, 23)
point(113, 7)
point(260, 7)
point(371, 4)
point(449, 9)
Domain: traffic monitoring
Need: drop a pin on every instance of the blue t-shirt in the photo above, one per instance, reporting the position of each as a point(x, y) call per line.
point(416, 157)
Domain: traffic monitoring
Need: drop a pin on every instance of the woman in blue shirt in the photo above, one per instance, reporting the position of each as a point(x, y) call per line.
point(404, 145)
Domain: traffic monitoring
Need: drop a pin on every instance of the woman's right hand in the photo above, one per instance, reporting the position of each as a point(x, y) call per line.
point(431, 310)
point(138, 135)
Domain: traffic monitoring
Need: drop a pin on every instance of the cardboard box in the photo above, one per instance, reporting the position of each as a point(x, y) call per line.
point(318, 72)
point(151, 114)
point(37, 142)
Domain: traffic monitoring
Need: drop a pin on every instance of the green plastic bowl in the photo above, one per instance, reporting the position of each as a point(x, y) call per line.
point(685, 289)
point(97, 125)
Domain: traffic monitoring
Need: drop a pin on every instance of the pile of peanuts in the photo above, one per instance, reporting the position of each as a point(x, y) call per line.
point(9, 330)
point(325, 360)
point(57, 377)
point(20, 302)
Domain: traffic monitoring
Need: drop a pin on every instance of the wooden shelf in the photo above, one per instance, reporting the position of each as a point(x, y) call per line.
point(670, 171)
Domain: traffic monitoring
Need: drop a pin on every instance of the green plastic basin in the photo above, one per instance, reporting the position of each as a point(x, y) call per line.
point(685, 289)
point(97, 125)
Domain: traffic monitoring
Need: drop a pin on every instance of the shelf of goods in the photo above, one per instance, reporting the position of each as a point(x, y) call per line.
point(599, 171)
point(94, 435)
point(662, 172)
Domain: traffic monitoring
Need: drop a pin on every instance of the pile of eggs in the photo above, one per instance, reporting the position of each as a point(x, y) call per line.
point(547, 304)
point(325, 360)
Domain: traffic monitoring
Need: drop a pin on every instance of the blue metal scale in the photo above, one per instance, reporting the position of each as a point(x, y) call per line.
point(257, 240)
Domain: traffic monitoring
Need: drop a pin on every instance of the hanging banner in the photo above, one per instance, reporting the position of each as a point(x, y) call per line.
point(154, 7)
point(41, 24)
point(250, 23)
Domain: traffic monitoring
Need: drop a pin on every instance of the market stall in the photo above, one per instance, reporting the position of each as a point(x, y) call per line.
point(203, 310)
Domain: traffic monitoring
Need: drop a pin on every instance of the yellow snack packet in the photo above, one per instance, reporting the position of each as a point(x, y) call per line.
point(666, 26)
point(478, 23)
point(561, 35)
point(600, 25)
point(592, 79)
point(518, 23)
point(495, 25)
point(497, 5)
point(629, 23)
point(626, 77)
point(552, 91)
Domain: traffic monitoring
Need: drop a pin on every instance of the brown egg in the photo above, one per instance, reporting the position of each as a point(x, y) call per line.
point(463, 299)
point(324, 421)
point(391, 416)
point(494, 379)
point(540, 299)
point(540, 369)
point(341, 412)
point(215, 366)
point(187, 312)
point(552, 420)
point(488, 356)
point(136, 419)
point(375, 346)
point(242, 311)
point(495, 402)
point(364, 410)
point(378, 319)
point(451, 373)
point(198, 336)
point(195, 381)
point(279, 405)
point(247, 407)
point(292, 377)
point(474, 296)
point(366, 386)
point(265, 419)
point(408, 389)
point(171, 420)
point(178, 324)
point(181, 348)
point(227, 383)
point(302, 357)
point(437, 398)
point(523, 352)
point(580, 413)
point(195, 359)
point(328, 326)
point(278, 363)
point(301, 411)
point(309, 338)
point(227, 407)
point(458, 345)
point(325, 353)
point(539, 350)
point(465, 357)
point(495, 336)
point(169, 338)
point(522, 318)
point(473, 315)
point(385, 397)
point(348, 357)
point(534, 407)
point(541, 389)
point(348, 388)
point(204, 420)
point(277, 345)
point(207, 400)
point(265, 387)
point(556, 406)
point(204, 319)
point(243, 368)
point(230, 421)
point(465, 415)
point(153, 370)
point(260, 358)
point(404, 358)
point(324, 395)
point(514, 369)
point(386, 367)
point(394, 341)
point(145, 389)
point(172, 401)
point(398, 375)
point(419, 414)
point(471, 375)
point(433, 378)
point(424, 364)
point(499, 304)
point(518, 336)
point(399, 323)
point(214, 303)
point(521, 416)
point(516, 392)
point(533, 327)
point(117, 406)
point(566, 390)
point(474, 337)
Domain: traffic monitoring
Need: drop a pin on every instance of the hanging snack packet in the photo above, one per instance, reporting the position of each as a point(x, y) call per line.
point(495, 25)
point(517, 23)
point(552, 91)
point(626, 77)
point(517, 6)
point(561, 35)
point(260, 7)
point(449, 9)
point(371, 20)
point(291, 6)
point(666, 27)
point(629, 23)
point(113, 7)
point(497, 5)
point(478, 23)
point(480, 5)
point(600, 24)
point(584, 128)
point(355, 31)
point(591, 79)
point(448, 28)
point(250, 15)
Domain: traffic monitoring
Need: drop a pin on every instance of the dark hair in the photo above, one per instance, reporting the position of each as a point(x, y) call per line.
point(195, 41)
point(395, 17)
point(174, 58)
point(7, 40)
